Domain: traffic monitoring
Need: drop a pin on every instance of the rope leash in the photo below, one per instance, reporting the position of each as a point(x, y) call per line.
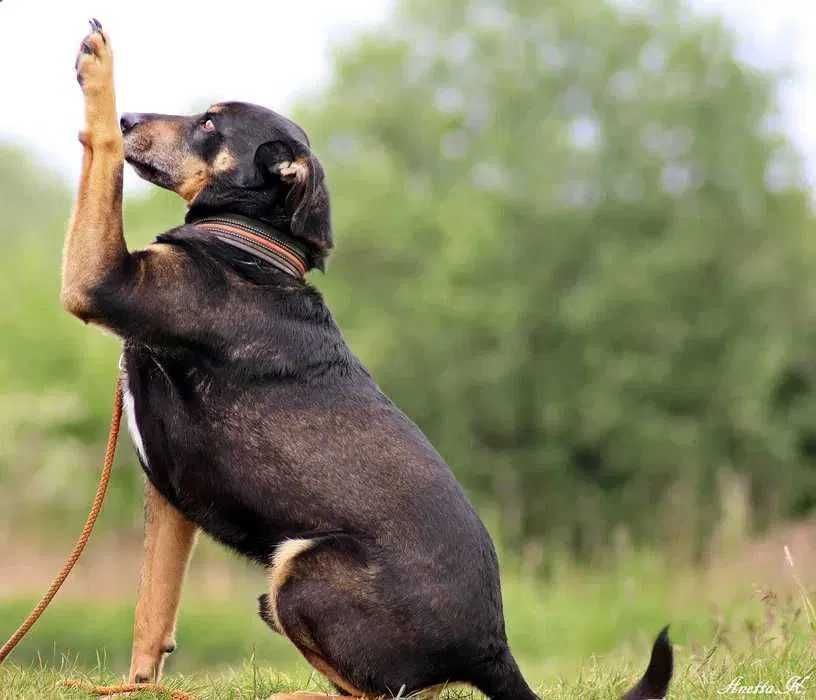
point(76, 552)
point(101, 490)
point(101, 690)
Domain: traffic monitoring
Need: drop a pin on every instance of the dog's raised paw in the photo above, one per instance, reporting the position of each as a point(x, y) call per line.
point(94, 61)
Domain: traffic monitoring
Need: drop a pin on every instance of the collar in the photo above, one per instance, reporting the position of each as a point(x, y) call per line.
point(258, 238)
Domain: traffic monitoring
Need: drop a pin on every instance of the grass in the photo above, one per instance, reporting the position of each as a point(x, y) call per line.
point(553, 626)
point(210, 635)
point(772, 662)
point(582, 634)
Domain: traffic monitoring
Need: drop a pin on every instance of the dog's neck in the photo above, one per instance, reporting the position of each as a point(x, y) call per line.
point(259, 239)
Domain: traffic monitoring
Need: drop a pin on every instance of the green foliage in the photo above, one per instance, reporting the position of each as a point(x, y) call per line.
point(570, 244)
point(84, 630)
point(572, 247)
point(763, 642)
point(552, 628)
point(57, 375)
point(772, 648)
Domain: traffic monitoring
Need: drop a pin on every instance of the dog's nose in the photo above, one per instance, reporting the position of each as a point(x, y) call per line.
point(129, 120)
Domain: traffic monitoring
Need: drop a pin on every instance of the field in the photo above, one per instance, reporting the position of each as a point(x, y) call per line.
point(783, 669)
point(574, 242)
point(583, 632)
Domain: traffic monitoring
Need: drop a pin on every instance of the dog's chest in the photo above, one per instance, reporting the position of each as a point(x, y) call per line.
point(168, 418)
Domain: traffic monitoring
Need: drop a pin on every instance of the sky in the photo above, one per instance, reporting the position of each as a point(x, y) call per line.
point(174, 55)
point(169, 56)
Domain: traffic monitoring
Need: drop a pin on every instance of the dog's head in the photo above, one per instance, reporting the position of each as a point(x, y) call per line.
point(235, 158)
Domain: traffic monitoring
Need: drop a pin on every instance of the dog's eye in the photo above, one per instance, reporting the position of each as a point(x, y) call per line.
point(208, 125)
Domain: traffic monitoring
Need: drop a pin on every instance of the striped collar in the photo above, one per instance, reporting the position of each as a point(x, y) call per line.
point(260, 239)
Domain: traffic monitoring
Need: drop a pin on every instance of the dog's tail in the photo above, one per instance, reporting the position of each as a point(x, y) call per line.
point(655, 682)
point(503, 680)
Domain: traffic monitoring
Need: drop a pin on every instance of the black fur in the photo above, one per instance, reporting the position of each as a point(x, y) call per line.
point(260, 425)
point(257, 140)
point(656, 679)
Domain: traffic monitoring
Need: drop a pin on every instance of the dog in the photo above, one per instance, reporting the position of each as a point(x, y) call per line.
point(254, 422)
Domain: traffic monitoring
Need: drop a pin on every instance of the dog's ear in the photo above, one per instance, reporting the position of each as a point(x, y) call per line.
point(307, 200)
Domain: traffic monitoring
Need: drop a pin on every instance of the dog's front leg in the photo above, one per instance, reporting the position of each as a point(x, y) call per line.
point(95, 244)
point(169, 540)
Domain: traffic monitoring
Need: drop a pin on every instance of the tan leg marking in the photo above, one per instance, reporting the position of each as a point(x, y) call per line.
point(320, 664)
point(279, 573)
point(281, 568)
point(94, 242)
point(169, 540)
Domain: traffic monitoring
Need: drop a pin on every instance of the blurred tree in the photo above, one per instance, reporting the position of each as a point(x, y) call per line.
point(56, 375)
point(572, 246)
point(32, 198)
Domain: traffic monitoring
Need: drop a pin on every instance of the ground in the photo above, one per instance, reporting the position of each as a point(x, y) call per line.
point(742, 625)
point(775, 667)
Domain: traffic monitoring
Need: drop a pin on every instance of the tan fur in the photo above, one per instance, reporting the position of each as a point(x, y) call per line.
point(169, 541)
point(94, 245)
point(196, 175)
point(320, 664)
point(161, 138)
point(296, 171)
point(280, 570)
point(224, 161)
point(94, 242)
point(165, 132)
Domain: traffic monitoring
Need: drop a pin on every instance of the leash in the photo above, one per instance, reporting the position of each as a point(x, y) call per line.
point(99, 499)
point(73, 557)
point(101, 690)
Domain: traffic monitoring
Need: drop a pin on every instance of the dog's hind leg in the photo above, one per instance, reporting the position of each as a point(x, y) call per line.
point(169, 540)
point(267, 612)
point(325, 596)
point(286, 563)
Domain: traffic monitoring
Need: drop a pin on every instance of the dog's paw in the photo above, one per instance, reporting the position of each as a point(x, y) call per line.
point(94, 62)
point(145, 669)
point(94, 70)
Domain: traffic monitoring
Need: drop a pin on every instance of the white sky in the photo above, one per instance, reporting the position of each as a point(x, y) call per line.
point(170, 56)
point(176, 54)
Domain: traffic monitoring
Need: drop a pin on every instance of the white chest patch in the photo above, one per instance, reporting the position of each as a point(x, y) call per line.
point(133, 426)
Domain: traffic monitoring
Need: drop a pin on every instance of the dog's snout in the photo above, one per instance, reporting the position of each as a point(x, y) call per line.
point(129, 120)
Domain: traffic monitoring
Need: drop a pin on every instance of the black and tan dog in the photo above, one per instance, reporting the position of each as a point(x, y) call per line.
point(255, 423)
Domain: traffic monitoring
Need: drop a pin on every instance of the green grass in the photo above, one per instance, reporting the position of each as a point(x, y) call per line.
point(553, 626)
point(211, 635)
point(773, 662)
point(582, 634)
